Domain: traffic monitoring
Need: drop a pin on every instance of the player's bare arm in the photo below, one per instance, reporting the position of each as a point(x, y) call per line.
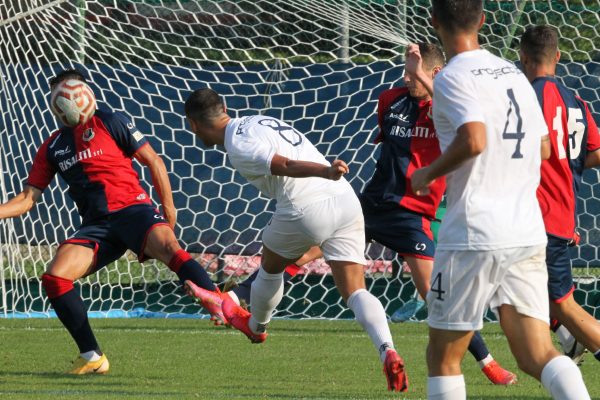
point(414, 67)
point(546, 148)
point(469, 142)
point(21, 203)
point(283, 166)
point(592, 159)
point(160, 179)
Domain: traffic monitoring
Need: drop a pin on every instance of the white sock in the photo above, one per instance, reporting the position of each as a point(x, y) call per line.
point(565, 338)
point(233, 297)
point(371, 316)
point(446, 388)
point(562, 378)
point(265, 295)
point(90, 355)
point(485, 361)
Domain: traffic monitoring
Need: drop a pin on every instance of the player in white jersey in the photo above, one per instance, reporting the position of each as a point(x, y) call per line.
point(491, 245)
point(315, 206)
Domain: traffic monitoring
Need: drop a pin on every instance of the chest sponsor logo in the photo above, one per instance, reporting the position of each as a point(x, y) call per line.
point(88, 135)
point(62, 152)
point(417, 131)
point(68, 163)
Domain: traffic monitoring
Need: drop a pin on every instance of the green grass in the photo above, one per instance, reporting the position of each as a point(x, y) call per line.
point(190, 359)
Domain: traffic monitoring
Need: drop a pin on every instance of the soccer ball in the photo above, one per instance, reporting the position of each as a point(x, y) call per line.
point(73, 102)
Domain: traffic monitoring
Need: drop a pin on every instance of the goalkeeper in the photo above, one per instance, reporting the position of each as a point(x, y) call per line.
point(94, 159)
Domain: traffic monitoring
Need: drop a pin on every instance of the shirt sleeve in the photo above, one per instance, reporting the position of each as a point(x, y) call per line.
point(251, 156)
point(457, 100)
point(42, 171)
point(125, 134)
point(593, 139)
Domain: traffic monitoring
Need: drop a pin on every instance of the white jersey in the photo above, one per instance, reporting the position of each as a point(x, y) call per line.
point(491, 198)
point(251, 143)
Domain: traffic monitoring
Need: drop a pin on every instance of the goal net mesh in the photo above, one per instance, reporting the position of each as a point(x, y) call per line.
point(319, 65)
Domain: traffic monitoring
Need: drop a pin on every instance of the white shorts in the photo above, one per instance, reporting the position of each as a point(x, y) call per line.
point(335, 224)
point(464, 283)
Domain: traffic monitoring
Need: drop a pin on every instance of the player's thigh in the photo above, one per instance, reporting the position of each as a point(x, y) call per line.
point(88, 249)
point(524, 285)
point(446, 350)
point(144, 230)
point(406, 232)
point(462, 283)
point(72, 261)
point(344, 240)
point(285, 239)
point(273, 263)
point(558, 262)
point(420, 269)
point(348, 277)
point(528, 338)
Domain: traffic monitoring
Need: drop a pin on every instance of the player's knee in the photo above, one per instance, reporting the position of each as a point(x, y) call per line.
point(56, 286)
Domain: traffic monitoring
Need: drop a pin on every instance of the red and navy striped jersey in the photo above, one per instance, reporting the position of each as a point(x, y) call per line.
point(409, 142)
point(94, 159)
point(573, 133)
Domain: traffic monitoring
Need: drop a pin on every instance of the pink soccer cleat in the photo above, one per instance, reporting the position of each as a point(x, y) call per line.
point(239, 318)
point(393, 368)
point(211, 301)
point(498, 375)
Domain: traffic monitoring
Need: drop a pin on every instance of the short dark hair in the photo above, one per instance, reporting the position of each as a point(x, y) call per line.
point(203, 105)
point(67, 74)
point(458, 15)
point(540, 43)
point(432, 55)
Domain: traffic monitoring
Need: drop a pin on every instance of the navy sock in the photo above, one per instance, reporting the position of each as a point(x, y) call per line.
point(71, 312)
point(477, 347)
point(188, 269)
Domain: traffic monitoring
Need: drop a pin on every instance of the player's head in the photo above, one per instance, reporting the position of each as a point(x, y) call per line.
point(457, 16)
point(433, 61)
point(539, 50)
point(204, 110)
point(64, 75)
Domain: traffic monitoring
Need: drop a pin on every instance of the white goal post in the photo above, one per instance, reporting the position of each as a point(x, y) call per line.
point(317, 64)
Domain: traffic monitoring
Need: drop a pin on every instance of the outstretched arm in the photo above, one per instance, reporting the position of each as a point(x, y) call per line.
point(283, 166)
point(160, 179)
point(21, 203)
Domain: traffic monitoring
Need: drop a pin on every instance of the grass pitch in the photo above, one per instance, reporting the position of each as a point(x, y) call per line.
point(191, 359)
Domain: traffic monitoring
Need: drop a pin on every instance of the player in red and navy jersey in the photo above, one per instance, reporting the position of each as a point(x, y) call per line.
point(575, 145)
point(95, 160)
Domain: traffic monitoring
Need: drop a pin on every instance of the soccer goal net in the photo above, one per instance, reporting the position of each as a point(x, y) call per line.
point(318, 64)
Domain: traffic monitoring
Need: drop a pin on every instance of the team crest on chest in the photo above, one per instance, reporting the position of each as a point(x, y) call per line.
point(88, 135)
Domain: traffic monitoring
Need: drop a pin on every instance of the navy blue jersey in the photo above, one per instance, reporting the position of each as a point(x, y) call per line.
point(95, 160)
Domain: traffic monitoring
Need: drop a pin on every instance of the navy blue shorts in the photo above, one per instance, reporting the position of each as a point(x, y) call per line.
point(111, 235)
point(560, 277)
point(406, 232)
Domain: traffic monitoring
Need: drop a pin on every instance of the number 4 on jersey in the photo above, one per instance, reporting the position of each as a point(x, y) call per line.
point(436, 286)
point(518, 135)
